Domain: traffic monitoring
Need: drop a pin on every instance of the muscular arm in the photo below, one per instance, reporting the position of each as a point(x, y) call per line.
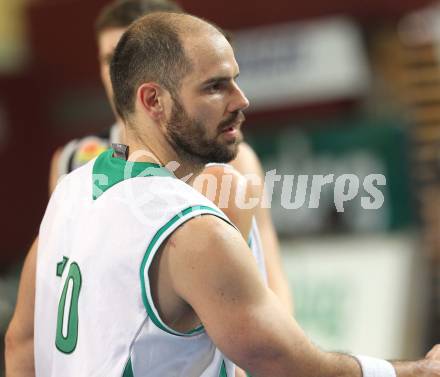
point(219, 279)
point(248, 163)
point(19, 337)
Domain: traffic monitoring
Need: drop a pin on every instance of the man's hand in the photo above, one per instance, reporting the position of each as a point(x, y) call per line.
point(434, 354)
point(427, 368)
point(422, 368)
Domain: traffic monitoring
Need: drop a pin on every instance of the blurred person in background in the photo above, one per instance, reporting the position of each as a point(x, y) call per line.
point(111, 23)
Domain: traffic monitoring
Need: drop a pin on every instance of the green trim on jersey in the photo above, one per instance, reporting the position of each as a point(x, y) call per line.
point(160, 236)
point(128, 370)
point(109, 171)
point(223, 372)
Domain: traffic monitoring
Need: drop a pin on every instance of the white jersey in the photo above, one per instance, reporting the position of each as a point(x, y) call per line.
point(78, 152)
point(94, 312)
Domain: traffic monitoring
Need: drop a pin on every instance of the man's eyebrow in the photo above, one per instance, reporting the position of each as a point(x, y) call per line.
point(218, 79)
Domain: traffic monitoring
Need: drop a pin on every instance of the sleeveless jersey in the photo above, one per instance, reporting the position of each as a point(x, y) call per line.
point(94, 312)
point(78, 152)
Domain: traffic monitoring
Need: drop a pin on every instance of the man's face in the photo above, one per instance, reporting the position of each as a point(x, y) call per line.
point(206, 116)
point(107, 41)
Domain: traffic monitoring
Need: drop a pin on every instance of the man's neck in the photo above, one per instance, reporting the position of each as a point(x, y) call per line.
point(143, 149)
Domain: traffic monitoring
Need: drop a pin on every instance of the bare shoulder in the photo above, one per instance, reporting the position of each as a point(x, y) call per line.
point(247, 161)
point(224, 178)
point(248, 164)
point(56, 155)
point(233, 193)
point(220, 170)
point(54, 169)
point(205, 232)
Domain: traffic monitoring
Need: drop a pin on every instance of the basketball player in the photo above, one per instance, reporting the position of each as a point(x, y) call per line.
point(110, 25)
point(139, 273)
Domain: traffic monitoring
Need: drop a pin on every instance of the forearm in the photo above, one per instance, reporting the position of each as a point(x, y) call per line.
point(269, 344)
point(341, 365)
point(325, 365)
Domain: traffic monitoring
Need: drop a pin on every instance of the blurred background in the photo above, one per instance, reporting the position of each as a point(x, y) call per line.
point(336, 87)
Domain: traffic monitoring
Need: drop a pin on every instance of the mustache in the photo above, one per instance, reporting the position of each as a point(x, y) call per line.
point(235, 117)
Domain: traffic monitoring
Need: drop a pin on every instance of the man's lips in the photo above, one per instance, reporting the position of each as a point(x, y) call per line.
point(234, 125)
point(230, 131)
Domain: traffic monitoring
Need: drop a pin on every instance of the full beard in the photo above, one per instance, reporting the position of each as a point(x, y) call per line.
point(188, 138)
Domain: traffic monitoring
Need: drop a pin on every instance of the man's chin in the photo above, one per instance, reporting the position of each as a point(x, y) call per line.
point(220, 152)
point(230, 153)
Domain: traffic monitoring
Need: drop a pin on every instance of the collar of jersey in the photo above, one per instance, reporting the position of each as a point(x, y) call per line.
point(109, 171)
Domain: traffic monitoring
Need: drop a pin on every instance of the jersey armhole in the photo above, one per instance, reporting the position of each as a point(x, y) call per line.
point(161, 235)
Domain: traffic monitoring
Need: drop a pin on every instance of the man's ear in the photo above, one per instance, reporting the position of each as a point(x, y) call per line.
point(150, 97)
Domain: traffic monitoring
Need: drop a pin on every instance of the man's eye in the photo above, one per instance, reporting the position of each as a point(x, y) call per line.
point(215, 87)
